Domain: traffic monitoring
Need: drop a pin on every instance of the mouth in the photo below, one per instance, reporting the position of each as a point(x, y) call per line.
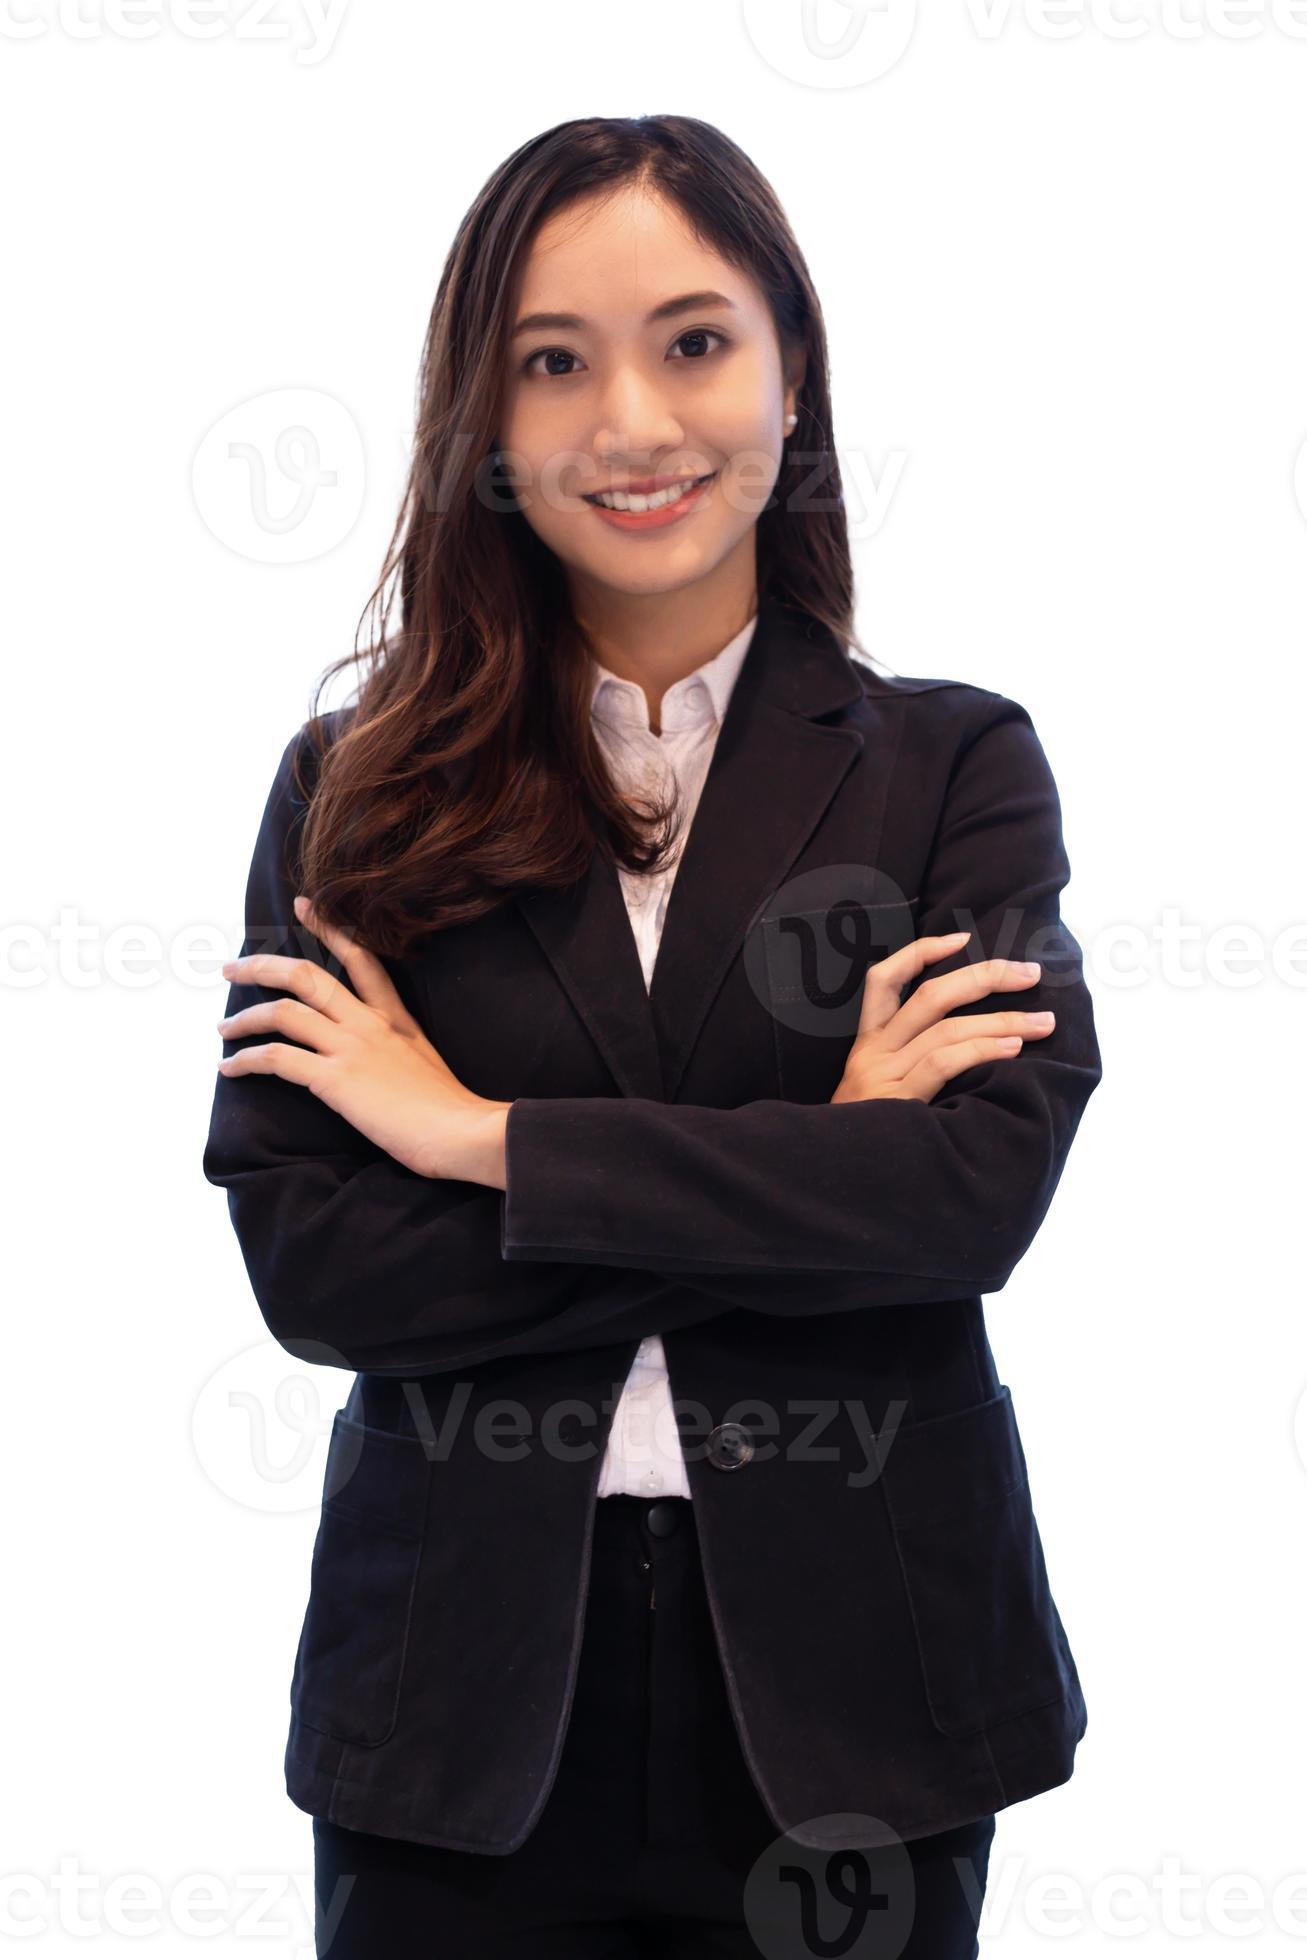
point(637, 502)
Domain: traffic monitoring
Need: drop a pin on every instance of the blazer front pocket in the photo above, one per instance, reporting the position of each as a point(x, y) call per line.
point(989, 1638)
point(350, 1662)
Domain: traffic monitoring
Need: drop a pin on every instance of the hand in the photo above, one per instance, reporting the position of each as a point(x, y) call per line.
point(911, 1051)
point(366, 1057)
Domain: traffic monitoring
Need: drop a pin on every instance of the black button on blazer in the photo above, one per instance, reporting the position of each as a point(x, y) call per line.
point(887, 1632)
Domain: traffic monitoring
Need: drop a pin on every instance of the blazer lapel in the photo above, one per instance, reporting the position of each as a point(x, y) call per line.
point(773, 772)
point(585, 933)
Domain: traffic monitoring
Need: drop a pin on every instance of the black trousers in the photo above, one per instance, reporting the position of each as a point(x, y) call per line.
point(653, 1839)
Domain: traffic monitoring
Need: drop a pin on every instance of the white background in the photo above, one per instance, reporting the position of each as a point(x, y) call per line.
point(1066, 296)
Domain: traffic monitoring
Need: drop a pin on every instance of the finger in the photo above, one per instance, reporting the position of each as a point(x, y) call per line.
point(959, 1029)
point(279, 972)
point(274, 1058)
point(292, 1018)
point(888, 977)
point(936, 996)
point(369, 977)
point(930, 1074)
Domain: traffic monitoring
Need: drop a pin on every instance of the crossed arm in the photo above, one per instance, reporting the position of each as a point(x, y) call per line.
point(776, 1207)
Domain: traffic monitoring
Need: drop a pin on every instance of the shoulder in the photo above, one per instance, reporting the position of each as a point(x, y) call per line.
point(951, 736)
point(936, 702)
point(301, 758)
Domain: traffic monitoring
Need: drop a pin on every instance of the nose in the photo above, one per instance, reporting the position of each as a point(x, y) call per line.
point(637, 423)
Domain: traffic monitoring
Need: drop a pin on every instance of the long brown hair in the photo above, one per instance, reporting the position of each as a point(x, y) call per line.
point(467, 766)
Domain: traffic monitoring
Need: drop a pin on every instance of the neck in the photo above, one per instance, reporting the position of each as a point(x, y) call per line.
point(655, 639)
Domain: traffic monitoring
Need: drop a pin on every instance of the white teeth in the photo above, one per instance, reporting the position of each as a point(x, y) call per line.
point(619, 500)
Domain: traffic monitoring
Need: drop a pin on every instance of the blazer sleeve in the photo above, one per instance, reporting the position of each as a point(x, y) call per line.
point(356, 1261)
point(841, 1205)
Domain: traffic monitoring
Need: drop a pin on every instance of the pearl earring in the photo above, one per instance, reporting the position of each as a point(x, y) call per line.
point(791, 420)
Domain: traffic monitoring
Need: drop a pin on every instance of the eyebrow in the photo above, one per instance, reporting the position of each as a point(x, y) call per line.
point(573, 322)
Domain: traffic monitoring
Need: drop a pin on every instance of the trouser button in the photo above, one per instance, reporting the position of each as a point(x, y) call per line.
point(663, 1517)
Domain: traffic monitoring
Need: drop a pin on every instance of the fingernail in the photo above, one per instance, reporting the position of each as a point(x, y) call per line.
point(1028, 966)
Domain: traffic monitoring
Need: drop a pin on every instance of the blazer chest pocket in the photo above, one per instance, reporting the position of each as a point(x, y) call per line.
point(809, 963)
point(989, 1637)
point(350, 1662)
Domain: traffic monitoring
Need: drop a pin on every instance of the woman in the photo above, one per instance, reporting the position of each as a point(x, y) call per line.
point(580, 1052)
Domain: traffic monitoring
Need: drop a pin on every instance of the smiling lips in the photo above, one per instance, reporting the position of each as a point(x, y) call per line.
point(659, 500)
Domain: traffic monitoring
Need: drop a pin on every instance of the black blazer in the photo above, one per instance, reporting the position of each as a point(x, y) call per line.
point(675, 1166)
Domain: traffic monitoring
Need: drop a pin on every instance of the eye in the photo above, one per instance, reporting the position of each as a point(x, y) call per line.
point(701, 333)
point(527, 367)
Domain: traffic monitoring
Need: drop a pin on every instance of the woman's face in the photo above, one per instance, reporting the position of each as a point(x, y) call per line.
point(613, 396)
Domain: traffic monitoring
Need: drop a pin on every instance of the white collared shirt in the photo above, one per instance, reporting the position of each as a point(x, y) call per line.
point(644, 1452)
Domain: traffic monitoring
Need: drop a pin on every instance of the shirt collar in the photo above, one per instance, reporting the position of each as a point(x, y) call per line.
point(698, 697)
